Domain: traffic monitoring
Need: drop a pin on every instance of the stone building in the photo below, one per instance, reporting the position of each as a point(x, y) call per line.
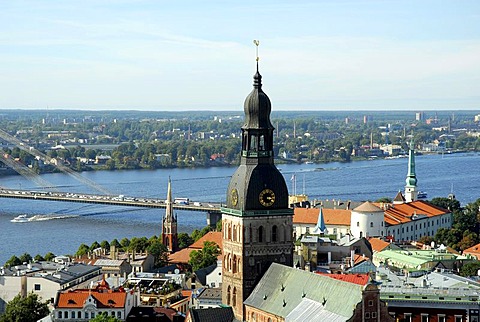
point(257, 222)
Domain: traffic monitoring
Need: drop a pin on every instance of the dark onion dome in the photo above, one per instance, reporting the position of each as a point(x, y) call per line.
point(257, 106)
point(257, 184)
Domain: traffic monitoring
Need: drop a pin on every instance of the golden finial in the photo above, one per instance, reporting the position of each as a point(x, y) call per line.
point(257, 42)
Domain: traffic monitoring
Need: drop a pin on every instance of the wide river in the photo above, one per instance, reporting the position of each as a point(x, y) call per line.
point(362, 180)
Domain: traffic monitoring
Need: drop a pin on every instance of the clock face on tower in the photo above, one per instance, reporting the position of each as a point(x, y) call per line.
point(234, 196)
point(267, 197)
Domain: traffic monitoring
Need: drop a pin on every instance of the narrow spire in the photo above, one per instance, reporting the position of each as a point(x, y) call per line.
point(411, 192)
point(411, 177)
point(168, 202)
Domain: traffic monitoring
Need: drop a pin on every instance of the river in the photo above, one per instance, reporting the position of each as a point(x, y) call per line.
point(361, 180)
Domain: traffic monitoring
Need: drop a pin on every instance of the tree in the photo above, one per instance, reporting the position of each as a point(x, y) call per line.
point(138, 244)
point(13, 261)
point(384, 200)
point(82, 250)
point(205, 256)
point(27, 308)
point(104, 317)
point(125, 242)
point(159, 251)
point(115, 243)
point(105, 245)
point(470, 269)
point(184, 240)
point(49, 256)
point(94, 246)
point(39, 258)
point(25, 258)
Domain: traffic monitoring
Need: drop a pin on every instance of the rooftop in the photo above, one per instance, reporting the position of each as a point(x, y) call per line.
point(283, 288)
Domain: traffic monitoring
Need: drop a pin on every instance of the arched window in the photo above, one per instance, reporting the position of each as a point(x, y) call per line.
point(228, 295)
point(234, 265)
point(250, 234)
point(234, 233)
point(260, 234)
point(371, 224)
point(261, 144)
point(274, 233)
point(234, 297)
point(229, 232)
point(229, 262)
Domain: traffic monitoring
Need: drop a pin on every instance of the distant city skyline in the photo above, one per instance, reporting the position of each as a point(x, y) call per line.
point(199, 55)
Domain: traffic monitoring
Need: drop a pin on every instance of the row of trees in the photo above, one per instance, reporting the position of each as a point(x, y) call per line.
point(465, 226)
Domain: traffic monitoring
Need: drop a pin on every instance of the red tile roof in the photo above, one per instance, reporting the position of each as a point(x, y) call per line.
point(377, 244)
point(474, 251)
point(183, 255)
point(360, 279)
point(309, 216)
point(402, 213)
point(77, 298)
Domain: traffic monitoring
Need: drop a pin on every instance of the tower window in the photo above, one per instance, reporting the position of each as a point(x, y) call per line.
point(234, 297)
point(371, 224)
point(228, 295)
point(260, 234)
point(261, 145)
point(274, 233)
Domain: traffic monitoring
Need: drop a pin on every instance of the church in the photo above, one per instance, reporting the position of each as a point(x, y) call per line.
point(258, 279)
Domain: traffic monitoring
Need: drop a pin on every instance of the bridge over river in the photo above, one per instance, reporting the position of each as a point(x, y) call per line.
point(118, 200)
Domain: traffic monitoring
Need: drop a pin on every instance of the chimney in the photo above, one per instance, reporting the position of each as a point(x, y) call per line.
point(352, 256)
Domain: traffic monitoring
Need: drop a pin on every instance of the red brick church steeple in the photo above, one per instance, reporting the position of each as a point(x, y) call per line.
point(169, 225)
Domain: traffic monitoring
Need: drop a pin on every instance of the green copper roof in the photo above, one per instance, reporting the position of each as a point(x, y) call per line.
point(411, 180)
point(282, 289)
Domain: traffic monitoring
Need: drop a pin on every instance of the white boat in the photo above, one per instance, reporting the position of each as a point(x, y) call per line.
point(21, 218)
point(422, 195)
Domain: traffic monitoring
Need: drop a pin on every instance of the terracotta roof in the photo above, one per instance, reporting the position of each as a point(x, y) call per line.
point(367, 206)
point(360, 279)
point(357, 259)
point(474, 251)
point(183, 255)
point(403, 213)
point(330, 216)
point(377, 244)
point(214, 236)
point(76, 298)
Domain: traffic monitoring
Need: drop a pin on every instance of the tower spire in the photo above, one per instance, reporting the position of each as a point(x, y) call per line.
point(169, 225)
point(411, 192)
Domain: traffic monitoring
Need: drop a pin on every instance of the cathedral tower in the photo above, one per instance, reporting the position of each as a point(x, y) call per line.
point(411, 192)
point(169, 224)
point(257, 223)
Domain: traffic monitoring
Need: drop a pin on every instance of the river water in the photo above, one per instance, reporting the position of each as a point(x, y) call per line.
point(362, 180)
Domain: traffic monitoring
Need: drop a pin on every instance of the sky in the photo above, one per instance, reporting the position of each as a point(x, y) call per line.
point(199, 55)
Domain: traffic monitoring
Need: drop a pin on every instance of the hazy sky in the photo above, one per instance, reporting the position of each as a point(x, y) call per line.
point(199, 55)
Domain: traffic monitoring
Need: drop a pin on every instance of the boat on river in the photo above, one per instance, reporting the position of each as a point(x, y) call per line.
point(422, 195)
point(20, 218)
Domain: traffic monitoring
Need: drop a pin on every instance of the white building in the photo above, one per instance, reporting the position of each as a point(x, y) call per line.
point(44, 279)
point(367, 220)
